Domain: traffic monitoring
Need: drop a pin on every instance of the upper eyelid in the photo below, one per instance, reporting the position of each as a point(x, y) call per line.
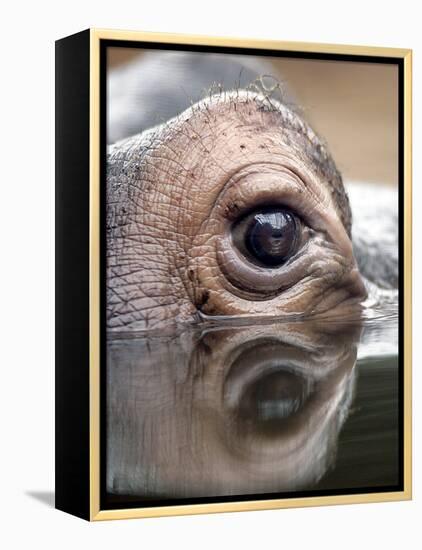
point(258, 188)
point(256, 202)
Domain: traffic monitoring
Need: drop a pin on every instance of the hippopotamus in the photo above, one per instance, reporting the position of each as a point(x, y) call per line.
point(240, 270)
point(235, 208)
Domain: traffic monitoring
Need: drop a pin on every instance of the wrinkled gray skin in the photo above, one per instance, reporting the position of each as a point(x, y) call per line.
point(174, 193)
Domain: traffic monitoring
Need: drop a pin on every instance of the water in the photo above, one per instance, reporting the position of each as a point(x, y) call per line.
point(263, 409)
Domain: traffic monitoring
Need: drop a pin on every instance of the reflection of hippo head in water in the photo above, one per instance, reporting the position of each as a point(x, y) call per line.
point(235, 411)
point(233, 208)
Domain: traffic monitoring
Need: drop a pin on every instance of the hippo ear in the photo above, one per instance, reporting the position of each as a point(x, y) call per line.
point(375, 232)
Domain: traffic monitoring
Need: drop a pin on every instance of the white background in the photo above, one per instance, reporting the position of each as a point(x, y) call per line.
point(27, 37)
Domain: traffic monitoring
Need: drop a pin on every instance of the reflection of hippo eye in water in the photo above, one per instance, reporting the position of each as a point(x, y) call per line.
point(235, 411)
point(274, 398)
point(266, 387)
point(269, 237)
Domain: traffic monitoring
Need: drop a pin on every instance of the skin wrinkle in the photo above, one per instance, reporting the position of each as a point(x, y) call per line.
point(294, 184)
point(153, 299)
point(168, 200)
point(297, 263)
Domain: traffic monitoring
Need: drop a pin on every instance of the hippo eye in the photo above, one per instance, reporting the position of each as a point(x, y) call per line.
point(268, 237)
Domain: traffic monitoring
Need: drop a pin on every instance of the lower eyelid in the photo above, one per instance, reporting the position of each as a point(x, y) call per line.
point(242, 273)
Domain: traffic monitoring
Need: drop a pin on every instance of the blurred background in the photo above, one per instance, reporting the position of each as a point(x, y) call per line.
point(353, 106)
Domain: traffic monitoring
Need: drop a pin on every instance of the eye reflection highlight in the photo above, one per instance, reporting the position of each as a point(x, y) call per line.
point(268, 237)
point(271, 237)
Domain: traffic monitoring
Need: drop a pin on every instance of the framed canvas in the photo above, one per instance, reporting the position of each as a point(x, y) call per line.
point(233, 276)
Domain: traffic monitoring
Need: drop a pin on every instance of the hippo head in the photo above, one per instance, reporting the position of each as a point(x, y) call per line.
point(233, 208)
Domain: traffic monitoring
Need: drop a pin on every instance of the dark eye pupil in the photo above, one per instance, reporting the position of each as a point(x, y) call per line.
point(271, 236)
